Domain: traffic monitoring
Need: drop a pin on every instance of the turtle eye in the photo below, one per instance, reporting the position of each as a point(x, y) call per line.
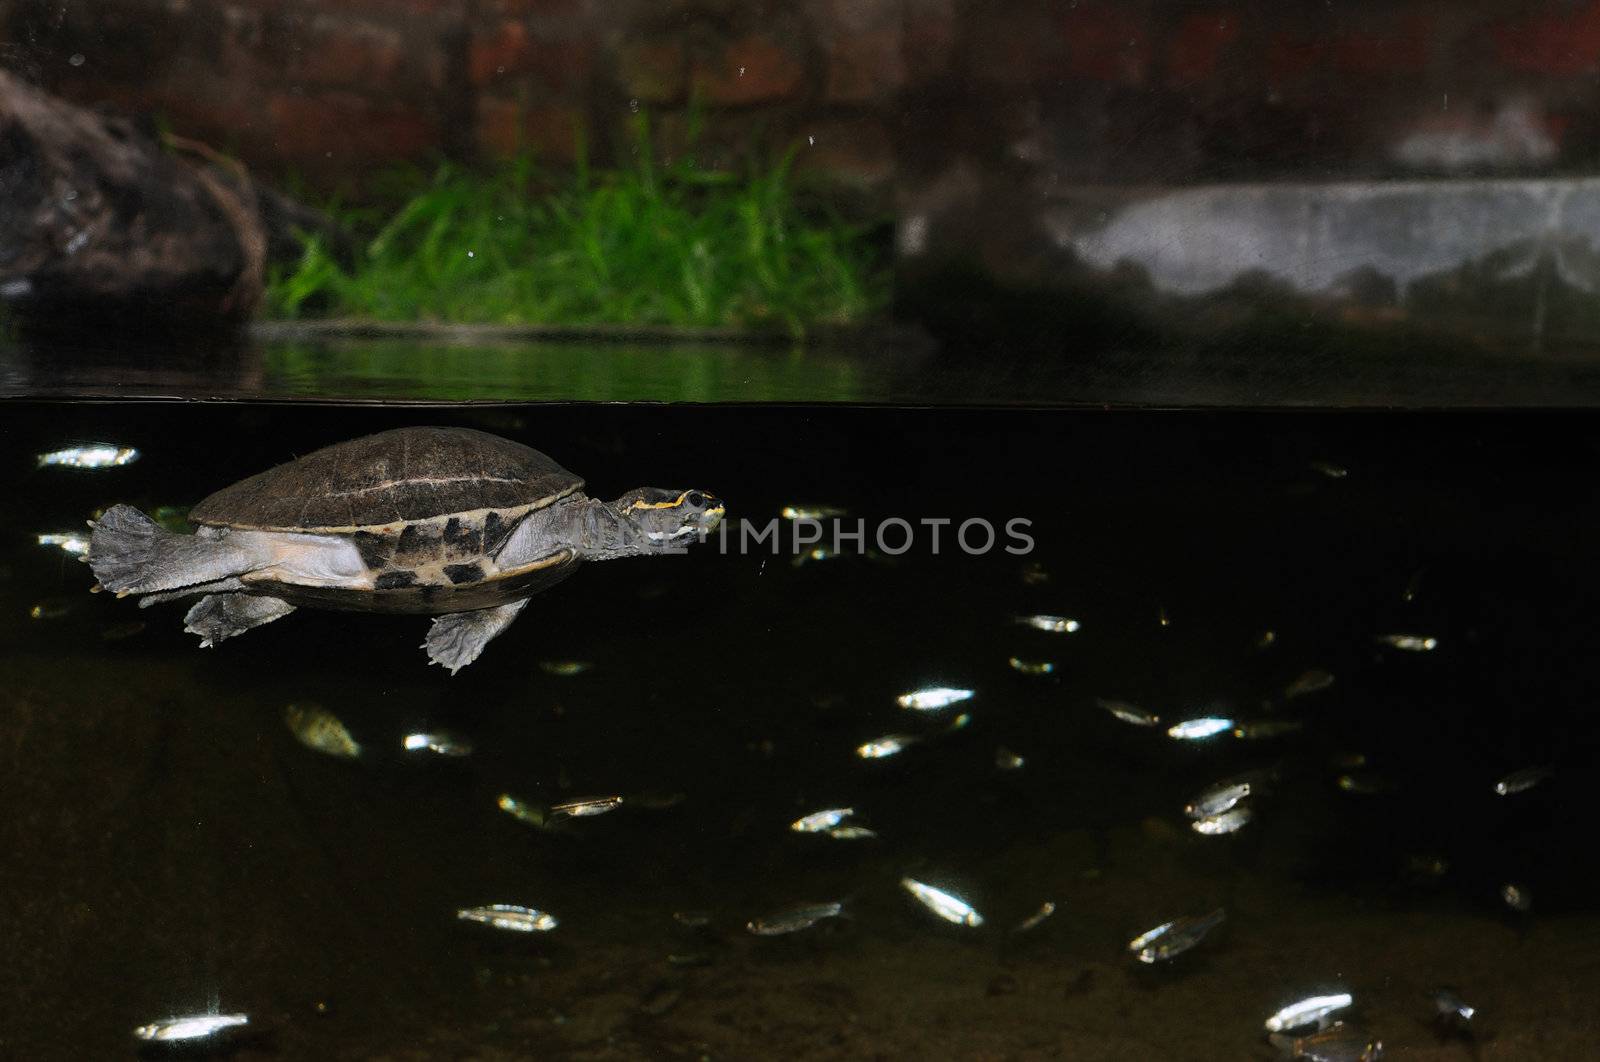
point(696, 499)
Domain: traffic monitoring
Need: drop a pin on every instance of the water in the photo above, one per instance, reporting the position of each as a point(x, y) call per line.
point(171, 847)
point(997, 355)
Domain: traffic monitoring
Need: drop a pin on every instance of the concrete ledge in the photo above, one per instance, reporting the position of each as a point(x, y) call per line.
point(1507, 265)
point(1336, 240)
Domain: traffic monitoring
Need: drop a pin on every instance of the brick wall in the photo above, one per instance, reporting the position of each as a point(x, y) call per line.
point(873, 90)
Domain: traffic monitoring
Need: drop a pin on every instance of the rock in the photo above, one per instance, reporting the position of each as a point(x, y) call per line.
point(103, 225)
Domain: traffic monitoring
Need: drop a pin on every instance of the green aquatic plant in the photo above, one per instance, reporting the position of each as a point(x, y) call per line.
point(670, 245)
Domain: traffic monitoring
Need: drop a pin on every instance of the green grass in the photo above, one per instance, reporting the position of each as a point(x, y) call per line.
point(667, 246)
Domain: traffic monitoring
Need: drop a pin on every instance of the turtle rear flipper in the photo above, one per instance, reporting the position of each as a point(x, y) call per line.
point(131, 554)
point(219, 616)
point(220, 586)
point(456, 639)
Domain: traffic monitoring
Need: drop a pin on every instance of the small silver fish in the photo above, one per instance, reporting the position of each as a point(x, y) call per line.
point(1031, 667)
point(1427, 865)
point(119, 631)
point(1312, 681)
point(1339, 1042)
point(1171, 939)
point(851, 832)
point(1313, 1010)
point(821, 821)
point(189, 1028)
point(1224, 822)
point(814, 555)
point(656, 800)
point(794, 919)
point(933, 698)
point(318, 729)
point(1332, 471)
point(52, 608)
point(1034, 573)
point(1267, 729)
point(1200, 729)
point(1129, 713)
point(1364, 783)
point(1449, 1006)
point(1049, 624)
point(946, 905)
point(521, 810)
point(1517, 897)
point(689, 958)
point(91, 456)
point(564, 668)
point(1413, 586)
point(441, 742)
point(1162, 619)
point(510, 916)
point(1410, 643)
point(1216, 799)
point(888, 745)
point(1265, 639)
point(811, 512)
point(1523, 780)
point(1143, 945)
point(66, 541)
point(585, 808)
point(692, 919)
point(1007, 760)
point(1037, 919)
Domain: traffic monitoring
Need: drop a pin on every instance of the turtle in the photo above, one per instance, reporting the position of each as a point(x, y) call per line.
point(450, 522)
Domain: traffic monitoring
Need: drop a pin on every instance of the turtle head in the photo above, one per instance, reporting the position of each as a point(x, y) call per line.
point(670, 517)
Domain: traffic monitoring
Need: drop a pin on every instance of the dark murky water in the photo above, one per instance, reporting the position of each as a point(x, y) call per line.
point(170, 846)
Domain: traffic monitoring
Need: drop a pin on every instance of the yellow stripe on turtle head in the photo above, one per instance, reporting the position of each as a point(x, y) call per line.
point(642, 504)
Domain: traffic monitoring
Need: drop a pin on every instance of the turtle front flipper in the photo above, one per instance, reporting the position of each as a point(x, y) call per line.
point(456, 639)
point(218, 616)
point(131, 554)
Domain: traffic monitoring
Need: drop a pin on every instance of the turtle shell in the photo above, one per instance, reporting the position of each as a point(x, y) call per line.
point(389, 480)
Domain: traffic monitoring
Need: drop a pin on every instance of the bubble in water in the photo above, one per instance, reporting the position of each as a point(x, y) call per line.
point(812, 141)
point(472, 254)
point(76, 59)
point(633, 105)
